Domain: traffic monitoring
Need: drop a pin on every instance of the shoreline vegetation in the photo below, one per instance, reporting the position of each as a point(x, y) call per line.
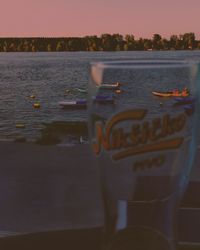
point(105, 42)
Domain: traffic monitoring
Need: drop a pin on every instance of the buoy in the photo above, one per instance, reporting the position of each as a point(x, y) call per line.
point(36, 105)
point(32, 96)
point(161, 104)
point(20, 125)
point(118, 91)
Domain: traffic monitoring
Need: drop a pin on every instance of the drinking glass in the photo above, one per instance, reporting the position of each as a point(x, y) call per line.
point(144, 142)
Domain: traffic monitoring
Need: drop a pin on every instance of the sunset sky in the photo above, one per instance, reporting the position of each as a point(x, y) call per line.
point(142, 18)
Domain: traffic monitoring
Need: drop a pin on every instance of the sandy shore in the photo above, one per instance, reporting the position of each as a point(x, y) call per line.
point(50, 188)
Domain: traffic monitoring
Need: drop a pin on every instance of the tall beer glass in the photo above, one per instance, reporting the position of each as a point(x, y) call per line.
point(144, 142)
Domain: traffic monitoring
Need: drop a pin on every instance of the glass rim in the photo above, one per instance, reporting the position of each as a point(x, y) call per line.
point(145, 63)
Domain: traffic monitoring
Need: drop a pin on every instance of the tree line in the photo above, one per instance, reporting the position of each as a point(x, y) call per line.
point(105, 42)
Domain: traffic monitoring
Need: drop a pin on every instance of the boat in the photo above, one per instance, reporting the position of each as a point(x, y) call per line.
point(81, 90)
point(82, 103)
point(104, 99)
point(78, 104)
point(170, 94)
point(179, 101)
point(113, 86)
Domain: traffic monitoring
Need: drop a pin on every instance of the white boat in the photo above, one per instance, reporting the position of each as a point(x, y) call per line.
point(82, 104)
point(79, 104)
point(81, 90)
point(110, 86)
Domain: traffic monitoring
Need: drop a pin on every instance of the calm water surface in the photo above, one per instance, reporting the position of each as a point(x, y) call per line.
point(48, 76)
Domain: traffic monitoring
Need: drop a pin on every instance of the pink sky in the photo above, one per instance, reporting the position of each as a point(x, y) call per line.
point(142, 18)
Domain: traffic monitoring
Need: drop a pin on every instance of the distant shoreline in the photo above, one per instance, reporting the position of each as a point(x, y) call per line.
point(77, 51)
point(105, 42)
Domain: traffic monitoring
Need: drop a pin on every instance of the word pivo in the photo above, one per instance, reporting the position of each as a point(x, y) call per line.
point(144, 136)
point(149, 163)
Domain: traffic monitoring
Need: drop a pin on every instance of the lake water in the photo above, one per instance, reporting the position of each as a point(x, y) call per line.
point(49, 77)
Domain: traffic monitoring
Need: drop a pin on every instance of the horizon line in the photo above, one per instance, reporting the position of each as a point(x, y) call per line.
point(83, 36)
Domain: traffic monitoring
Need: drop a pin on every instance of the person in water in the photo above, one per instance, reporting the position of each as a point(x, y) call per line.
point(175, 92)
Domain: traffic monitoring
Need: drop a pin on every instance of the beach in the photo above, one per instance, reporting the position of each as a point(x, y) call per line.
point(45, 188)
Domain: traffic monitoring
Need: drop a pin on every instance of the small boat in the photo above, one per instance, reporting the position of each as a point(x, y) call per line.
point(179, 101)
point(79, 104)
point(104, 99)
point(113, 86)
point(82, 104)
point(81, 90)
point(169, 94)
